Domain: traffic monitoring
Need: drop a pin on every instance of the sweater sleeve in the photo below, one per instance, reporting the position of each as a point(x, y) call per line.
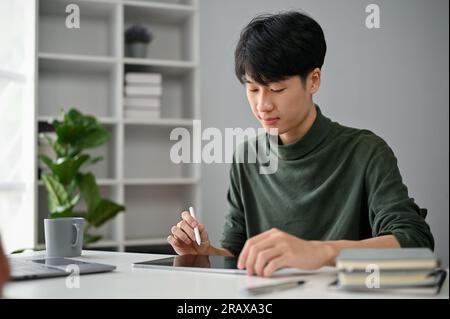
point(391, 210)
point(234, 233)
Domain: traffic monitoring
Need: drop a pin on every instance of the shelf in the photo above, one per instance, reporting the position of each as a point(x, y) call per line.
point(95, 36)
point(100, 182)
point(85, 69)
point(138, 181)
point(81, 81)
point(146, 241)
point(75, 62)
point(102, 120)
point(158, 12)
point(160, 181)
point(172, 27)
point(158, 122)
point(169, 67)
point(76, 57)
point(92, 8)
point(104, 169)
point(107, 182)
point(161, 63)
point(128, 121)
point(178, 101)
point(147, 154)
point(151, 211)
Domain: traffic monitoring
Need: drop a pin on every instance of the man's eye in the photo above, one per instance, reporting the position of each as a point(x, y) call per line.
point(277, 91)
point(253, 90)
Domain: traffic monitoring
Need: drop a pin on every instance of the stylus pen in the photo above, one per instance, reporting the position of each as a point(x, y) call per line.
point(273, 287)
point(196, 232)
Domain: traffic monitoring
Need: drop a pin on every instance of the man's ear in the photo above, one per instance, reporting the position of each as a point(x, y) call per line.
point(314, 81)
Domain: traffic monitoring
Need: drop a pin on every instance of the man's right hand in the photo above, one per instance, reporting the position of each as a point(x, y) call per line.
point(182, 237)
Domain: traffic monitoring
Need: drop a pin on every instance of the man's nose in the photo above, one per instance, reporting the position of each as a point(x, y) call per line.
point(265, 104)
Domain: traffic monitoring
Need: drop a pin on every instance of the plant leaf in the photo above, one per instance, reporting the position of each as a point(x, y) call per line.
point(47, 161)
point(104, 211)
point(62, 210)
point(98, 210)
point(75, 200)
point(66, 184)
point(66, 168)
point(93, 160)
point(93, 137)
point(79, 214)
point(67, 134)
point(72, 188)
point(80, 131)
point(58, 199)
point(57, 148)
point(88, 238)
point(73, 116)
point(89, 191)
point(64, 213)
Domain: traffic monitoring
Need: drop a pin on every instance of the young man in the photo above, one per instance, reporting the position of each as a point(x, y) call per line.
point(336, 187)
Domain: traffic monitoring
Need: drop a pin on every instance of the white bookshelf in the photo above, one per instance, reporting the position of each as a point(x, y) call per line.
point(84, 68)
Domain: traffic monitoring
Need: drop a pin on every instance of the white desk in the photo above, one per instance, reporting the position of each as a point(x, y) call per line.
point(128, 282)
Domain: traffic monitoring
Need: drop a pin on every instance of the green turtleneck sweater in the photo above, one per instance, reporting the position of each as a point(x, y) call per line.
point(334, 183)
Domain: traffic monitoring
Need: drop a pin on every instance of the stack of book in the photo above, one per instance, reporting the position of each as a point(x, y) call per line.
point(142, 95)
point(402, 270)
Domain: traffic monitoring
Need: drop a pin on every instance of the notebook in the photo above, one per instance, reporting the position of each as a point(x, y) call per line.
point(387, 258)
point(394, 270)
point(432, 288)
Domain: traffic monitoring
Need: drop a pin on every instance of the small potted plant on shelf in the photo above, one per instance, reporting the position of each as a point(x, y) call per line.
point(137, 38)
point(67, 182)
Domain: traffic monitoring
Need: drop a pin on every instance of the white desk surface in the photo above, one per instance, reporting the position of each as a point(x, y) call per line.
point(128, 282)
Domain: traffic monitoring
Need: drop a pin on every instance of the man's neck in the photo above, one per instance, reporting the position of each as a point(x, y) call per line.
point(297, 133)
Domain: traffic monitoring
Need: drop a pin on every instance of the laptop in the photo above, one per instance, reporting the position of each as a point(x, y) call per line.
point(25, 269)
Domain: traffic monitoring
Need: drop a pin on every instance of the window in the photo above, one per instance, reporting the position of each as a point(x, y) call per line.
point(17, 128)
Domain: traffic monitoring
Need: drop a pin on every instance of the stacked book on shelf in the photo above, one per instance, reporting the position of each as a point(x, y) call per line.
point(143, 93)
point(396, 270)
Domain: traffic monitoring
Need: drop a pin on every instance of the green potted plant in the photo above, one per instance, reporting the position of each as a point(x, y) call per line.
point(66, 181)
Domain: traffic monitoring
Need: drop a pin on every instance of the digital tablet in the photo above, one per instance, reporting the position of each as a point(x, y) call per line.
point(220, 264)
point(217, 264)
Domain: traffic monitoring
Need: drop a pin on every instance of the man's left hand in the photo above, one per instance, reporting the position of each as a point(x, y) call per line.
point(274, 249)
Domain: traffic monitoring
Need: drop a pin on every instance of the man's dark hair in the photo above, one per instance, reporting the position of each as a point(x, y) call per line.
point(274, 47)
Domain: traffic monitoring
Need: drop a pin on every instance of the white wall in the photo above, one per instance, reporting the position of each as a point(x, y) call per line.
point(393, 81)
